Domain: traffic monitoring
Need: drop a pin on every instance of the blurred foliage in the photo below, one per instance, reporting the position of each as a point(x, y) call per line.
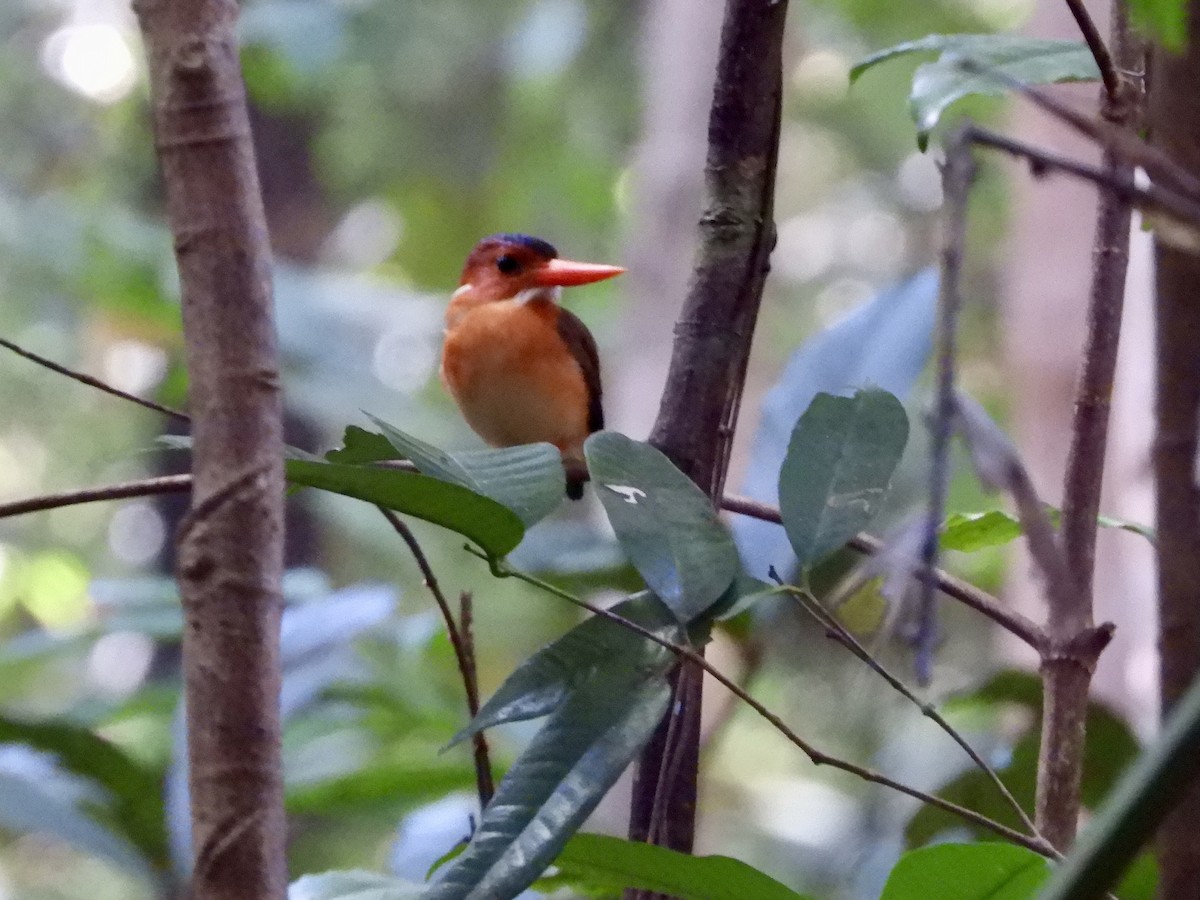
point(391, 136)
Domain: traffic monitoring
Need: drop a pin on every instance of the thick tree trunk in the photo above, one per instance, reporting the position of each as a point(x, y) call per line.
point(1175, 127)
point(231, 542)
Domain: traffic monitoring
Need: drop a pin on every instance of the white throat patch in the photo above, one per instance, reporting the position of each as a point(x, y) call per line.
point(553, 294)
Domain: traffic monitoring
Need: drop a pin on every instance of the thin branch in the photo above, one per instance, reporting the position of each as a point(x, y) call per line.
point(958, 172)
point(955, 588)
point(1161, 168)
point(462, 653)
point(1151, 197)
point(94, 382)
point(817, 757)
point(167, 484)
point(838, 632)
point(1091, 34)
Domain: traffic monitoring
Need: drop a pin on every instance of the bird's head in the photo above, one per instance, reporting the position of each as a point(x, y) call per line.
point(505, 266)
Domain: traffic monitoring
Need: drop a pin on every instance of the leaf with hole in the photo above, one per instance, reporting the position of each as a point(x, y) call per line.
point(838, 469)
point(666, 525)
point(938, 84)
point(884, 342)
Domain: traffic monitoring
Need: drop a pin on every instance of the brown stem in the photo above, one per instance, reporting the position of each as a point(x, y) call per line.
point(958, 172)
point(231, 552)
point(699, 406)
point(1095, 42)
point(955, 588)
point(463, 653)
point(1066, 681)
point(1152, 198)
point(146, 487)
point(1174, 122)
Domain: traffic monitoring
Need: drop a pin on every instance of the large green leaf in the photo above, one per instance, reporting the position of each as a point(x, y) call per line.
point(1163, 20)
point(492, 526)
point(938, 84)
point(353, 885)
point(588, 652)
point(666, 525)
point(135, 810)
point(967, 872)
point(528, 479)
point(568, 767)
point(838, 468)
point(600, 861)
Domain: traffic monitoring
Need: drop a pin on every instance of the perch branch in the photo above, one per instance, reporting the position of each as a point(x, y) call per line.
point(463, 655)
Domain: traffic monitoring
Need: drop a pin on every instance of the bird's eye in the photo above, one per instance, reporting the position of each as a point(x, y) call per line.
point(507, 265)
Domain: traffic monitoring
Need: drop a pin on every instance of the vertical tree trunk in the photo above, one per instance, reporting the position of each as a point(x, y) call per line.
point(231, 542)
point(1175, 128)
point(699, 406)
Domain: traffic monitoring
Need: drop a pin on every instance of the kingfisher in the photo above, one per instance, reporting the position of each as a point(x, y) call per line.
point(520, 367)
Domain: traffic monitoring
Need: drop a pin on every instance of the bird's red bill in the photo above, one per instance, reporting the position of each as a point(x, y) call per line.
point(565, 273)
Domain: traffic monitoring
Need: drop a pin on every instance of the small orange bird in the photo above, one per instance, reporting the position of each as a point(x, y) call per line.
point(521, 368)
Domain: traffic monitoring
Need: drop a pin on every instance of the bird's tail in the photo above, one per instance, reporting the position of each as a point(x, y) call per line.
point(577, 476)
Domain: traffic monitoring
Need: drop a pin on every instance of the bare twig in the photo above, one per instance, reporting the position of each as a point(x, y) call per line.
point(838, 632)
point(1151, 197)
point(146, 487)
point(463, 653)
point(1161, 168)
point(93, 382)
point(1095, 42)
point(955, 588)
point(817, 757)
point(958, 172)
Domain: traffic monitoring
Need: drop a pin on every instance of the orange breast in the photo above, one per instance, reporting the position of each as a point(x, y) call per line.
point(513, 377)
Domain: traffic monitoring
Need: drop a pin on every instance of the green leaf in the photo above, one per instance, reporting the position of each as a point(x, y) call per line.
point(971, 532)
point(1110, 749)
point(353, 885)
point(967, 872)
point(586, 653)
point(360, 446)
point(938, 84)
point(838, 469)
point(380, 786)
point(1163, 20)
point(489, 524)
point(551, 789)
point(136, 807)
point(609, 862)
point(41, 801)
point(666, 525)
point(528, 479)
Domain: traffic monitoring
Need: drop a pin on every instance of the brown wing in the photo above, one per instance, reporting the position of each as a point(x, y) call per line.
point(583, 347)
